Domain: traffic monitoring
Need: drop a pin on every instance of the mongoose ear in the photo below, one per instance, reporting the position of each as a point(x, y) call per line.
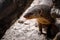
point(40, 11)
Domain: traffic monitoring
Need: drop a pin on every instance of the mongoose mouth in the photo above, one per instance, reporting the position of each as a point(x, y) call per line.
point(27, 15)
point(31, 16)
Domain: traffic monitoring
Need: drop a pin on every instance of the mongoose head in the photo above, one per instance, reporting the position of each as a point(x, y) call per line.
point(37, 11)
point(32, 13)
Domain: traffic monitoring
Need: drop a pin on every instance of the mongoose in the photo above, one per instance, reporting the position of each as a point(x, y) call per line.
point(44, 19)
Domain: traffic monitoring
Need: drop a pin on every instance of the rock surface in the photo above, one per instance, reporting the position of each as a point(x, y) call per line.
point(23, 31)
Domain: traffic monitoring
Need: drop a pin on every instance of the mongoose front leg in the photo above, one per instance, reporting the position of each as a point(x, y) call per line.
point(40, 28)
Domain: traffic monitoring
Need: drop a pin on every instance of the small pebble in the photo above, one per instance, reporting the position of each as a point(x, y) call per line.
point(20, 21)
